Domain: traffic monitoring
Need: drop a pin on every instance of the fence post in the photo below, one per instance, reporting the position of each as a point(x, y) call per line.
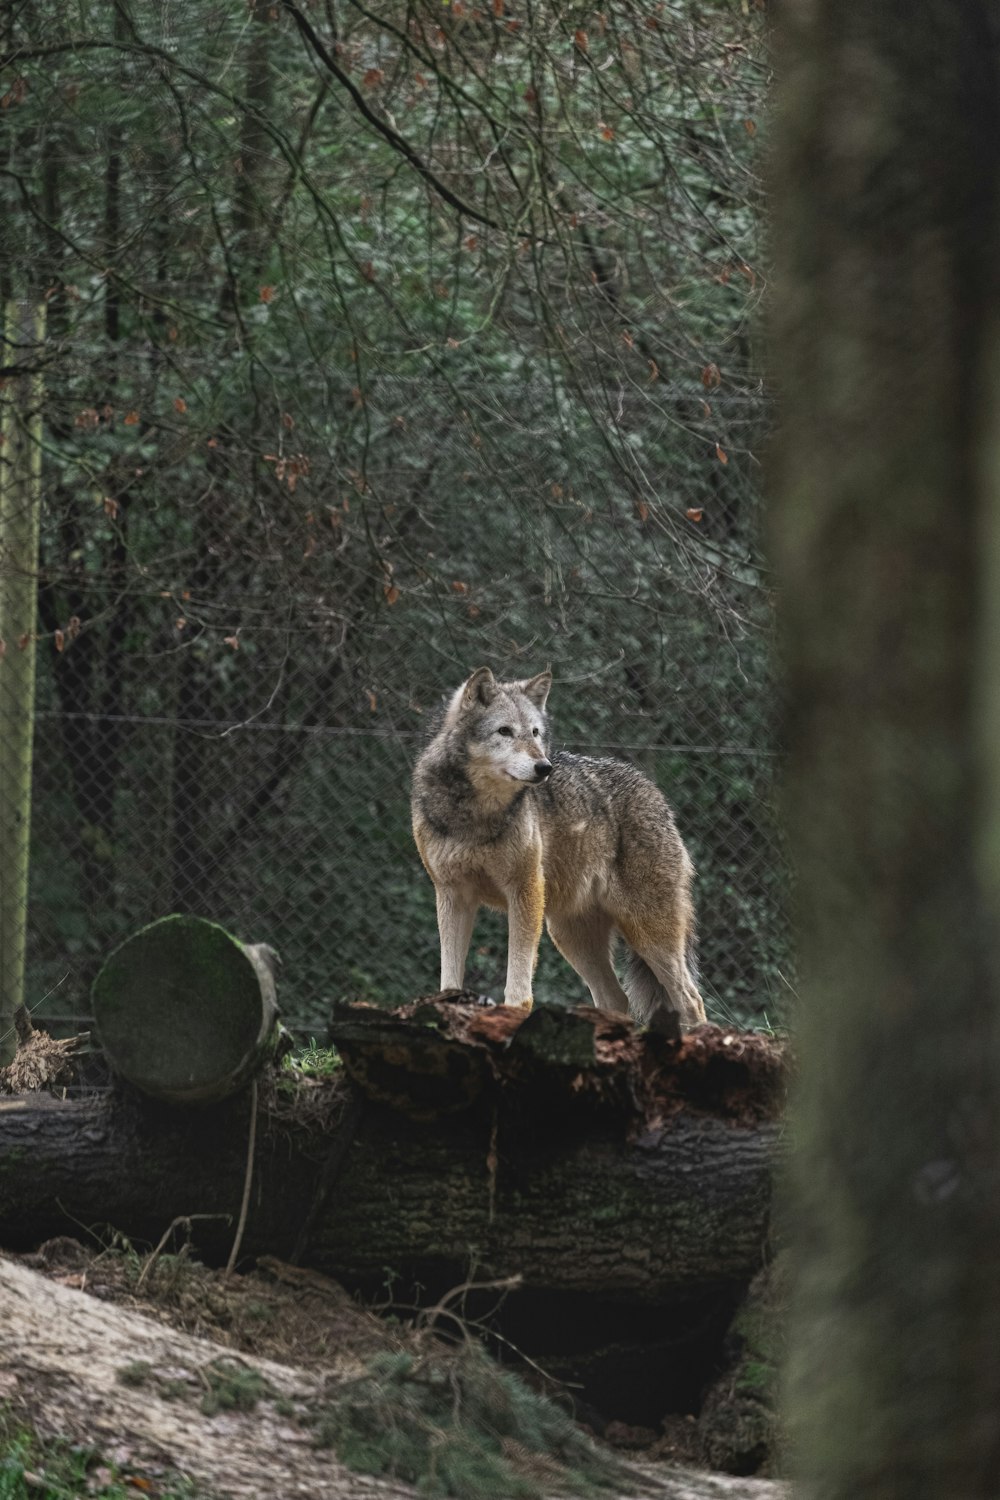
point(20, 504)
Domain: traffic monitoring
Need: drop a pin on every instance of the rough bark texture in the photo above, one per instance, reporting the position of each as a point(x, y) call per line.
point(63, 1354)
point(885, 304)
point(687, 1210)
point(583, 1159)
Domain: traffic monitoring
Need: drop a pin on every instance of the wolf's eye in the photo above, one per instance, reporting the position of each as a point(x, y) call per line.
point(506, 729)
point(535, 733)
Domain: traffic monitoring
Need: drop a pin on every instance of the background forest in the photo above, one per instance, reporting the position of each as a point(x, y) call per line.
point(383, 342)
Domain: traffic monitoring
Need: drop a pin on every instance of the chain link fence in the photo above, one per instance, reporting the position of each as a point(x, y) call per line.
point(238, 744)
point(412, 340)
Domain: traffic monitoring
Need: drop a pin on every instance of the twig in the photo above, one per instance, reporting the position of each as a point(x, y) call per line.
point(247, 1180)
point(187, 1220)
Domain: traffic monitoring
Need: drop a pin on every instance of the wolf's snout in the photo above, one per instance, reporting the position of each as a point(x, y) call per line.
point(543, 768)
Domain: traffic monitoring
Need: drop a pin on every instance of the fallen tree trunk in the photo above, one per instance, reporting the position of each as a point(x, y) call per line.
point(565, 1150)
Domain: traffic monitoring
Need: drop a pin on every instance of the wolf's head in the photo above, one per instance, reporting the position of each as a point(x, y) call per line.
point(502, 726)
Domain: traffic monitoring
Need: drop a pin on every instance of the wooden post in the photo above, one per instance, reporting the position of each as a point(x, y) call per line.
point(20, 503)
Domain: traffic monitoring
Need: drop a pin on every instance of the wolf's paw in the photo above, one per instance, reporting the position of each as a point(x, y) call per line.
point(524, 1005)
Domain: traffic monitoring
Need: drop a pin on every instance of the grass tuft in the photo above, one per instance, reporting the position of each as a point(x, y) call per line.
point(456, 1424)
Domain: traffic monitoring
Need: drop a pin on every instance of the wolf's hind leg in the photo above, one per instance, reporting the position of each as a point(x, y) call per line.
point(456, 918)
point(665, 963)
point(585, 942)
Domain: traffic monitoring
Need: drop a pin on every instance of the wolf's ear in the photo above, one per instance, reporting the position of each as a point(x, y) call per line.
point(480, 689)
point(536, 689)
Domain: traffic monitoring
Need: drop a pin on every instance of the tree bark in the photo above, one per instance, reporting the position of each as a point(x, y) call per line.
point(886, 310)
point(543, 1164)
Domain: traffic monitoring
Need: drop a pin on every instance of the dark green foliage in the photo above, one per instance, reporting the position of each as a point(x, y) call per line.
point(232, 1386)
point(32, 1469)
point(458, 1425)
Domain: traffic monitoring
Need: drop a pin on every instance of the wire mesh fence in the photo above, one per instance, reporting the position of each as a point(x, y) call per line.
point(381, 345)
point(242, 751)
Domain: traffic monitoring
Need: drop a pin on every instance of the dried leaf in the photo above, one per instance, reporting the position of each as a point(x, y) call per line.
point(694, 513)
point(59, 639)
point(711, 376)
point(750, 126)
point(266, 293)
point(721, 454)
point(580, 38)
point(390, 593)
point(110, 507)
point(372, 78)
point(131, 419)
point(642, 511)
point(180, 405)
point(458, 587)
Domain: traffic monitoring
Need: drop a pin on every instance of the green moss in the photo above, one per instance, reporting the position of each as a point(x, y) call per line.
point(178, 1007)
point(755, 1378)
point(232, 1386)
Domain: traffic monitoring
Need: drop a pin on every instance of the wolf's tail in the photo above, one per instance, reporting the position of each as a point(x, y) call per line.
point(648, 1000)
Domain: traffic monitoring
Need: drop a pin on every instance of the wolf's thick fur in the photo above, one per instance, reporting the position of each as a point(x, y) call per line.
point(590, 845)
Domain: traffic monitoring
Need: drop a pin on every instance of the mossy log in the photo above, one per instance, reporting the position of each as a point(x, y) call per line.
point(565, 1149)
point(186, 1012)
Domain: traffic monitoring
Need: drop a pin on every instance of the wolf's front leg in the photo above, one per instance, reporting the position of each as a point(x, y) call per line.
point(456, 917)
point(525, 911)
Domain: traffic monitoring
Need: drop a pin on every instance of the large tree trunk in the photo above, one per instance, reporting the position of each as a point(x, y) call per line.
point(886, 308)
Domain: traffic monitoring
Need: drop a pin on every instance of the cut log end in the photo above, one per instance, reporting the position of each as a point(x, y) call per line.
point(185, 1011)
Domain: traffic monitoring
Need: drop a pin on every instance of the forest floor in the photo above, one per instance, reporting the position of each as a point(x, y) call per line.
point(282, 1363)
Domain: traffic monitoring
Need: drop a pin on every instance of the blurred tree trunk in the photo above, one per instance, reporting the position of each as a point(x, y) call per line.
point(886, 537)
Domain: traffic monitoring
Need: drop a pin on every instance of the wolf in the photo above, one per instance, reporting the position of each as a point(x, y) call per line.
point(588, 845)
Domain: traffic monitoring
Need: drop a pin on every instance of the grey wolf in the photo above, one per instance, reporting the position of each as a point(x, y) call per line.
point(589, 845)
